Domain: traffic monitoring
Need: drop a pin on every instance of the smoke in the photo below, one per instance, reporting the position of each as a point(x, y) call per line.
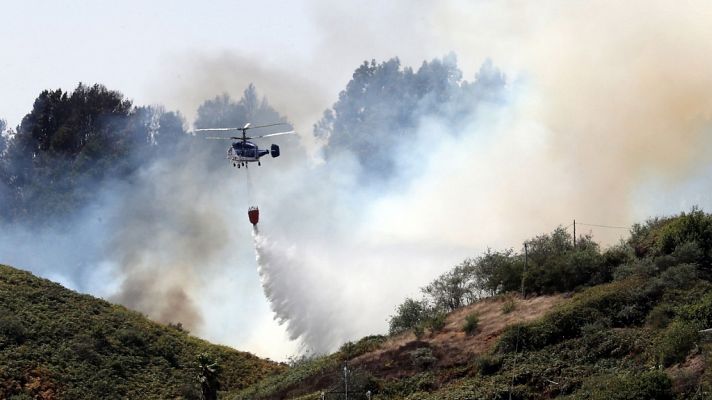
point(609, 109)
point(296, 92)
point(166, 235)
point(608, 112)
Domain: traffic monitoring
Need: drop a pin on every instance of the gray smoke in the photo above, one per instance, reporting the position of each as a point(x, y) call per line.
point(166, 234)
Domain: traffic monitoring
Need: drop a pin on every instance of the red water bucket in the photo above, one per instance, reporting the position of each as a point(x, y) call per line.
point(254, 214)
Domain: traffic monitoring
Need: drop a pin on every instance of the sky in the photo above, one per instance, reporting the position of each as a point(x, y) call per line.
point(609, 120)
point(164, 51)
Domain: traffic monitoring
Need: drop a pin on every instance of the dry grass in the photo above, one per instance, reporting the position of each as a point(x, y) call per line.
point(452, 345)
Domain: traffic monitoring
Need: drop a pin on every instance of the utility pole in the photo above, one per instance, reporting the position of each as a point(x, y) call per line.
point(574, 234)
point(526, 261)
point(346, 383)
point(516, 348)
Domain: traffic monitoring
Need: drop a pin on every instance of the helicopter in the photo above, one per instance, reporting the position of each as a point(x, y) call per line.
point(243, 151)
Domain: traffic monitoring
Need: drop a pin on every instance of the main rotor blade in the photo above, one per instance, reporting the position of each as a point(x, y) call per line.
point(264, 126)
point(272, 134)
point(224, 138)
point(217, 129)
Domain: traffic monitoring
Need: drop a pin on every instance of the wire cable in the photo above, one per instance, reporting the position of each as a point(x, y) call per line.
point(604, 226)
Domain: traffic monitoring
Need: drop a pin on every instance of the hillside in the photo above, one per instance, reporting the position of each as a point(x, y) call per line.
point(631, 327)
point(627, 322)
point(58, 344)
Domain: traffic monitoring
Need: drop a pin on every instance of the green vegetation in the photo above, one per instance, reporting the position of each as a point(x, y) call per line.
point(509, 305)
point(471, 323)
point(629, 328)
point(57, 344)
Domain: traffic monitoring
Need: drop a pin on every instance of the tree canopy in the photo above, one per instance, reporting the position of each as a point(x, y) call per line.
point(71, 142)
point(383, 104)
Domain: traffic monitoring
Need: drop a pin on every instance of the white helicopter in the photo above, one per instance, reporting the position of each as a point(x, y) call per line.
point(242, 151)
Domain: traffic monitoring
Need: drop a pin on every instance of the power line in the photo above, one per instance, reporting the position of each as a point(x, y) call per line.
point(604, 226)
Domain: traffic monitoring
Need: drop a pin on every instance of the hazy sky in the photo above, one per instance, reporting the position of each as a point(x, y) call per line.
point(157, 51)
point(129, 45)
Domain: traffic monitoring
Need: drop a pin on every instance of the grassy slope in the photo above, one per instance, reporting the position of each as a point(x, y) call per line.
point(611, 341)
point(55, 343)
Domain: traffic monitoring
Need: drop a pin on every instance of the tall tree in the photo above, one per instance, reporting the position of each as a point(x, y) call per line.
point(71, 142)
point(3, 138)
point(224, 112)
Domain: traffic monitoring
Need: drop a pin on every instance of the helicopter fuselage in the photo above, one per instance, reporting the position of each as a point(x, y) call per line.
point(244, 151)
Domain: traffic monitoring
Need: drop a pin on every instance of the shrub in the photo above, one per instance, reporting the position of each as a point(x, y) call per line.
point(419, 331)
point(675, 342)
point(423, 357)
point(437, 322)
point(499, 271)
point(364, 345)
point(509, 305)
point(660, 316)
point(637, 386)
point(699, 313)
point(681, 276)
point(471, 323)
point(408, 386)
point(12, 329)
point(594, 305)
point(409, 315)
point(455, 288)
point(487, 364)
point(688, 237)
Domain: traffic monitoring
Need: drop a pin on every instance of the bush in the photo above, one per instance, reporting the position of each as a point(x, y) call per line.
point(471, 323)
point(638, 386)
point(688, 237)
point(488, 365)
point(626, 301)
point(699, 313)
point(455, 288)
point(437, 322)
point(499, 271)
point(419, 331)
point(423, 358)
point(367, 344)
point(409, 315)
point(682, 276)
point(675, 342)
point(12, 329)
point(660, 316)
point(509, 305)
point(408, 386)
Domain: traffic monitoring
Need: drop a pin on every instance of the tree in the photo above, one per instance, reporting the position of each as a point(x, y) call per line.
point(498, 272)
point(223, 112)
point(455, 288)
point(382, 106)
point(409, 315)
point(73, 141)
point(3, 138)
